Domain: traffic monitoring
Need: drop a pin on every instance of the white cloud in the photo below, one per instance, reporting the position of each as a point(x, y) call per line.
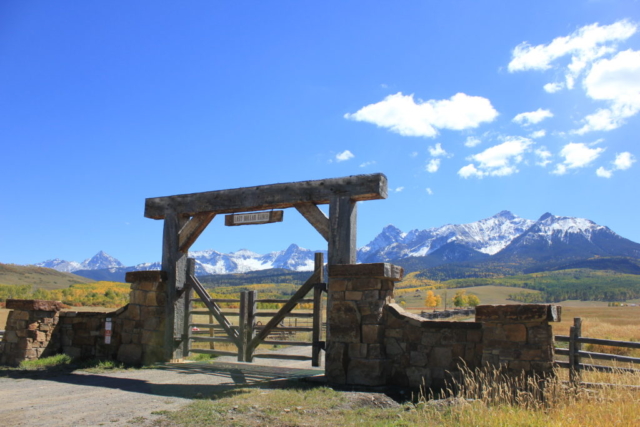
point(470, 171)
point(472, 141)
point(365, 164)
point(615, 81)
point(399, 189)
point(345, 155)
point(401, 114)
point(414, 154)
point(538, 134)
point(499, 160)
point(604, 173)
point(576, 155)
point(585, 45)
point(553, 87)
point(543, 155)
point(429, 191)
point(624, 161)
point(532, 117)
point(433, 165)
point(437, 151)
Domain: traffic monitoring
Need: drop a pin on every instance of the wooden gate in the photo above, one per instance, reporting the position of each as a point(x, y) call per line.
point(248, 334)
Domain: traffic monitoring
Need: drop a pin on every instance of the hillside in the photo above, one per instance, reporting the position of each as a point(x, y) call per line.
point(38, 277)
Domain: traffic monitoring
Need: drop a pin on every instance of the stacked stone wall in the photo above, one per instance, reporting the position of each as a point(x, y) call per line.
point(372, 341)
point(519, 337)
point(425, 352)
point(29, 333)
point(38, 328)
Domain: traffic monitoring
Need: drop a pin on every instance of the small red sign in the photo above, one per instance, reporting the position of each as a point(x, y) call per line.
point(107, 333)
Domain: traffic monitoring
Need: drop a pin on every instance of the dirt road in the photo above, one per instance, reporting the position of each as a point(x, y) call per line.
point(133, 396)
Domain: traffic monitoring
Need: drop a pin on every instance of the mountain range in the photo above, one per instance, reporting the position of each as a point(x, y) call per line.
point(503, 238)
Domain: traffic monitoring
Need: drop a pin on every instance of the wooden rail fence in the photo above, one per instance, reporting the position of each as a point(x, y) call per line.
point(576, 354)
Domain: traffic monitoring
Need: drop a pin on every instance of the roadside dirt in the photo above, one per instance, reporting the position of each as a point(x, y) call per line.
point(131, 397)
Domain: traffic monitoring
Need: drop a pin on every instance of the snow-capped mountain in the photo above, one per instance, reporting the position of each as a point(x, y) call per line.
point(567, 237)
point(503, 236)
point(99, 261)
point(488, 236)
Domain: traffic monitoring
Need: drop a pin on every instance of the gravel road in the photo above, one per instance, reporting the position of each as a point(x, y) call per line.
point(132, 397)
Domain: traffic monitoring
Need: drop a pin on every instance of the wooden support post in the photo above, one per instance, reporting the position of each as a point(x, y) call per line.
point(252, 306)
point(187, 317)
point(342, 233)
point(242, 325)
point(174, 264)
point(316, 354)
point(212, 333)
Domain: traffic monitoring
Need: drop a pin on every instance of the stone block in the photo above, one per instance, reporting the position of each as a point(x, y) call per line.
point(540, 335)
point(19, 314)
point(474, 336)
point(493, 333)
point(441, 357)
point(413, 334)
point(353, 295)
point(366, 372)
point(130, 353)
point(135, 312)
point(372, 334)
point(152, 323)
point(418, 358)
point(357, 350)
point(10, 336)
point(146, 312)
point(515, 332)
point(371, 295)
point(344, 322)
point(376, 351)
point(153, 276)
point(335, 363)
point(34, 305)
point(336, 296)
point(521, 312)
point(72, 351)
point(150, 299)
point(393, 347)
point(378, 270)
point(364, 284)
point(519, 365)
point(154, 338)
point(393, 333)
point(337, 285)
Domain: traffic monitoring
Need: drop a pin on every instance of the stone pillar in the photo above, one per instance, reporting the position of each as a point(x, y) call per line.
point(357, 296)
point(143, 322)
point(518, 337)
point(29, 331)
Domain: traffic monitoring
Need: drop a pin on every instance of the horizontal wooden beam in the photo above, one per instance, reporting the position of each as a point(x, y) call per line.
point(265, 197)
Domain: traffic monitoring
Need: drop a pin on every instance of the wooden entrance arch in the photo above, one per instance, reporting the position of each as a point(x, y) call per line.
point(187, 215)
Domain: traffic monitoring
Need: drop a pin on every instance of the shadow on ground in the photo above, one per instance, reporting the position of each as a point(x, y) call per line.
point(185, 380)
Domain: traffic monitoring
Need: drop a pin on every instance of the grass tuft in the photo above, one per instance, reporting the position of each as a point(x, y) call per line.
point(58, 360)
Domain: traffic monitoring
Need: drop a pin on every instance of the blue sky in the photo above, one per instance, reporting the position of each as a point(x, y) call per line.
point(468, 107)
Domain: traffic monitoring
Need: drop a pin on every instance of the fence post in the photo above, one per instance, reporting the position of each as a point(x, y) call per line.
point(316, 355)
point(212, 333)
point(575, 332)
point(252, 297)
point(242, 325)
